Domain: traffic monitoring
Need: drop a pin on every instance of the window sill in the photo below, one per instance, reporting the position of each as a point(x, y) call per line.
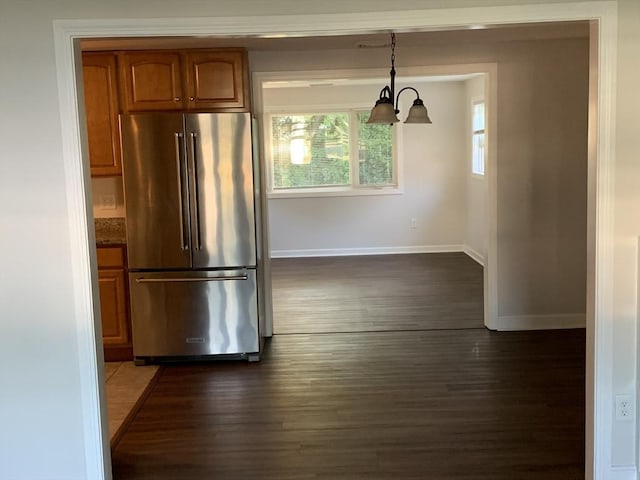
point(337, 192)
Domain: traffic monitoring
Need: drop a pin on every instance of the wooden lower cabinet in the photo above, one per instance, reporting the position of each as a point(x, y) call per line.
point(114, 303)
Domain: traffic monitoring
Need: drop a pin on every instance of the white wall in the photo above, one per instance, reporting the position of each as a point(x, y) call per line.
point(42, 424)
point(627, 224)
point(477, 220)
point(542, 167)
point(433, 181)
point(40, 407)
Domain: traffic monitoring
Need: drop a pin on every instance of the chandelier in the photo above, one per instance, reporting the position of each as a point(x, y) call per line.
point(385, 111)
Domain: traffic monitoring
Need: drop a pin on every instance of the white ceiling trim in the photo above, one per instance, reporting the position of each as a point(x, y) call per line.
point(341, 81)
point(282, 26)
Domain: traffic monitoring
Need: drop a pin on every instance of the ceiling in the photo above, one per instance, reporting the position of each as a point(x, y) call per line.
point(486, 33)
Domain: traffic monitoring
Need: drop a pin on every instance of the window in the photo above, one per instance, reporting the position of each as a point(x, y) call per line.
point(330, 152)
point(477, 138)
point(375, 152)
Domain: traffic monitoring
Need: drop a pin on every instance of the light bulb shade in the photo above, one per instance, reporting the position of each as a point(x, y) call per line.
point(383, 112)
point(418, 113)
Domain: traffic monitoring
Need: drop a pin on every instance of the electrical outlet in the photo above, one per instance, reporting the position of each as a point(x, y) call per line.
point(108, 202)
point(624, 408)
point(414, 223)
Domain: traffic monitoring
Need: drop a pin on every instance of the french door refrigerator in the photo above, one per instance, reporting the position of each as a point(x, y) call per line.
point(191, 235)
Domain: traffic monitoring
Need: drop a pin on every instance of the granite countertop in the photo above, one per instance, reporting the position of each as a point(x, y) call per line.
point(110, 231)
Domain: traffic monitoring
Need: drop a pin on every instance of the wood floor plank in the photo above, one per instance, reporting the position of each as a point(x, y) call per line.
point(377, 293)
point(417, 390)
point(467, 404)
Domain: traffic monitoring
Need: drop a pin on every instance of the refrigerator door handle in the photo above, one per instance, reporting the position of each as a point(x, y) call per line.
point(192, 279)
point(178, 138)
point(194, 177)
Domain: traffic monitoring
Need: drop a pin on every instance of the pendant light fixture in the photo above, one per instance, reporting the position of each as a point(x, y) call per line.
point(385, 111)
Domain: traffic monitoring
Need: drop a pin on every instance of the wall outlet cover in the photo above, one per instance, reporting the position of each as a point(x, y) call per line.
point(624, 408)
point(108, 202)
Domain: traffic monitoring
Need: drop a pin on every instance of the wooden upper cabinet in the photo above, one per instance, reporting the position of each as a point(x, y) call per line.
point(101, 108)
point(151, 81)
point(193, 80)
point(216, 79)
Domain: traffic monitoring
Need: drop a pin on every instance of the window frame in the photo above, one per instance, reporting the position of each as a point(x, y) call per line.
point(354, 188)
point(474, 172)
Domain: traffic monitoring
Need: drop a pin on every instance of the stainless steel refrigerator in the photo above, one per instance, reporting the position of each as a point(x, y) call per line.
point(190, 214)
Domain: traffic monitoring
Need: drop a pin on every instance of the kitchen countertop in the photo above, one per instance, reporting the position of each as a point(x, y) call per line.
point(110, 231)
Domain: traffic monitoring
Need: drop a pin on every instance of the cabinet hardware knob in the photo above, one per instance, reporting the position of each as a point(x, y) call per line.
point(177, 99)
point(191, 98)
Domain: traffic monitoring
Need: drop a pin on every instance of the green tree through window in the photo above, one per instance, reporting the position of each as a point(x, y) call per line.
point(375, 152)
point(317, 151)
point(310, 150)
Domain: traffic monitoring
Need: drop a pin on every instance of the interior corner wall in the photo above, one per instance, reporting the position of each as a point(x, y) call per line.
point(433, 181)
point(477, 220)
point(542, 108)
point(542, 181)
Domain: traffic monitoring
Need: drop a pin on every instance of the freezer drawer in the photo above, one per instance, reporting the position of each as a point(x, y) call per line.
point(194, 313)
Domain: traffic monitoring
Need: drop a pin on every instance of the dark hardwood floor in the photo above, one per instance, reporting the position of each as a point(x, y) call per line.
point(377, 293)
point(440, 404)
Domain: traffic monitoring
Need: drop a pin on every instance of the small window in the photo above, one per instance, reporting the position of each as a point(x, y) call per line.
point(310, 150)
point(477, 138)
point(329, 152)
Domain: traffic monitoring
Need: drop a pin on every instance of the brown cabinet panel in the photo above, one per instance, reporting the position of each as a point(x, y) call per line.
point(101, 102)
point(114, 303)
point(151, 81)
point(110, 257)
point(113, 306)
point(216, 79)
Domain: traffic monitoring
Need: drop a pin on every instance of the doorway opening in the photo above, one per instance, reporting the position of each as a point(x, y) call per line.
point(411, 190)
point(88, 377)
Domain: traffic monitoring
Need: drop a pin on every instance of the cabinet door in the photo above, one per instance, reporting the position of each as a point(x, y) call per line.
point(151, 81)
point(216, 80)
point(114, 304)
point(113, 307)
point(101, 102)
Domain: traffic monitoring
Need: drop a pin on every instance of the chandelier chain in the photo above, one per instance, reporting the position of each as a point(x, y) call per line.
point(393, 49)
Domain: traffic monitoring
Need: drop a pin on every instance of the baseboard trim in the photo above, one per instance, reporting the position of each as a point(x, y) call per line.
point(624, 473)
point(474, 254)
point(342, 252)
point(540, 322)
